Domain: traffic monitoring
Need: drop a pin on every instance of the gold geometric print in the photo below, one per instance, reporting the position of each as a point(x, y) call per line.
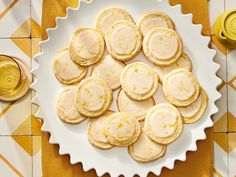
point(23, 44)
point(231, 121)
point(10, 165)
point(221, 140)
point(223, 83)
point(23, 29)
point(35, 28)
point(232, 83)
point(232, 141)
point(24, 128)
point(6, 108)
point(217, 173)
point(36, 126)
point(25, 142)
point(221, 123)
point(35, 48)
point(36, 144)
point(8, 9)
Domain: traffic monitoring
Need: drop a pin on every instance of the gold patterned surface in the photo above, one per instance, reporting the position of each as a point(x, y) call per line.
point(20, 135)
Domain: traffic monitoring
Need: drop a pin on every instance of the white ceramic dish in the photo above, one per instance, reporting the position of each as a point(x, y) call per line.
point(72, 138)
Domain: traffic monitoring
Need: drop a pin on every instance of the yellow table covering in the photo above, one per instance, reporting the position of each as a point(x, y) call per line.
point(198, 164)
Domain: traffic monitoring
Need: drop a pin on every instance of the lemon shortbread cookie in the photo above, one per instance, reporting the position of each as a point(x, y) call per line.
point(163, 123)
point(162, 46)
point(123, 40)
point(183, 62)
point(66, 109)
point(65, 70)
point(139, 81)
point(136, 108)
point(95, 132)
point(154, 19)
point(122, 129)
point(110, 70)
point(108, 16)
point(194, 111)
point(93, 97)
point(86, 46)
point(181, 87)
point(144, 150)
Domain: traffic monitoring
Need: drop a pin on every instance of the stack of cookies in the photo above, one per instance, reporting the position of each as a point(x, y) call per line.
point(138, 68)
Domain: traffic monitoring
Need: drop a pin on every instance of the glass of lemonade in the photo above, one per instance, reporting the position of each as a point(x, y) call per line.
point(15, 78)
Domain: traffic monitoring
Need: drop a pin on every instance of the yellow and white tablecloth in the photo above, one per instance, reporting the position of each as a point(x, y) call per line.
point(20, 136)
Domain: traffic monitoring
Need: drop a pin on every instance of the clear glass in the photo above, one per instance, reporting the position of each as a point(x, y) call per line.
point(15, 78)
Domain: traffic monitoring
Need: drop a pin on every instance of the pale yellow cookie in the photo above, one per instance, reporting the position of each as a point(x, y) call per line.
point(144, 150)
point(93, 97)
point(139, 81)
point(154, 19)
point(123, 40)
point(183, 62)
point(122, 129)
point(108, 16)
point(86, 46)
point(136, 108)
point(163, 123)
point(181, 87)
point(65, 70)
point(194, 111)
point(66, 109)
point(110, 70)
point(95, 132)
point(162, 46)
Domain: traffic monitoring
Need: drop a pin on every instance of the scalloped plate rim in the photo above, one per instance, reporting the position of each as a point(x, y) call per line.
point(46, 129)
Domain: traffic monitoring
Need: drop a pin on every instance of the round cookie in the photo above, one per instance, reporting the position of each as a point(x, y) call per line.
point(144, 150)
point(136, 108)
point(66, 109)
point(162, 46)
point(110, 70)
point(108, 16)
point(122, 129)
point(123, 40)
point(95, 132)
point(163, 123)
point(183, 62)
point(93, 97)
point(65, 70)
point(194, 111)
point(154, 19)
point(181, 87)
point(139, 81)
point(86, 46)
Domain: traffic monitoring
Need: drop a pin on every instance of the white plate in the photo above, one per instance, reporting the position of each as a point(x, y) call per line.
point(72, 138)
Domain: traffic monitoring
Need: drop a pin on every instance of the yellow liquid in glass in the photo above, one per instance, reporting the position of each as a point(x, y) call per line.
point(9, 75)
